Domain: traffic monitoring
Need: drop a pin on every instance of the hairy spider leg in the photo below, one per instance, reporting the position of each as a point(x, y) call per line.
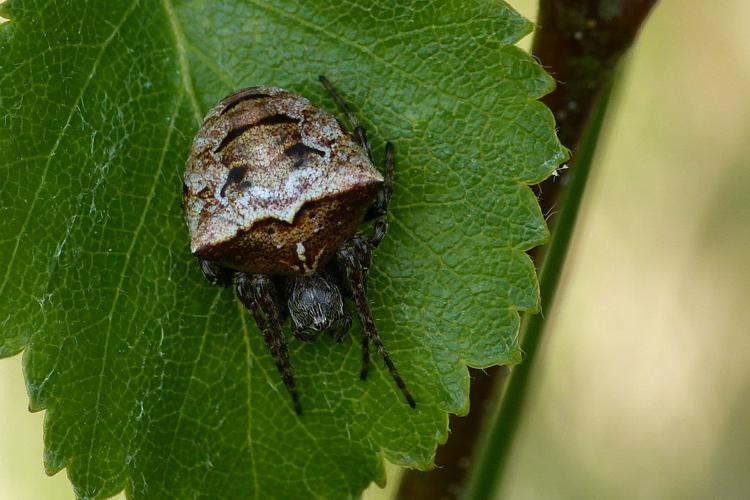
point(359, 131)
point(379, 212)
point(258, 294)
point(346, 325)
point(365, 357)
point(215, 273)
point(358, 249)
point(354, 262)
point(379, 209)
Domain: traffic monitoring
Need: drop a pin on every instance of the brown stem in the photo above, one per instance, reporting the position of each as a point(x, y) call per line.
point(579, 42)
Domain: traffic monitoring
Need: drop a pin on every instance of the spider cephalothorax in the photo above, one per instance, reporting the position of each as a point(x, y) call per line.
point(274, 192)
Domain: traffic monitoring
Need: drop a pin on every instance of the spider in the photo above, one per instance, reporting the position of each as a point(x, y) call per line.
point(275, 191)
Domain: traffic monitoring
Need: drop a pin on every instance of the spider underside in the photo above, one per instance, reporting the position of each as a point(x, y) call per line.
point(315, 302)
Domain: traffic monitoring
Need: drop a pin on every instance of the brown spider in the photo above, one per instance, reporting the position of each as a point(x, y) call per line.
point(274, 191)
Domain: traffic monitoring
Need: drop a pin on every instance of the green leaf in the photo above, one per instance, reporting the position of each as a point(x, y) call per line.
point(159, 383)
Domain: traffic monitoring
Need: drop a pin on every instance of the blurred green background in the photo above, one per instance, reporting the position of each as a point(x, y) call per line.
point(643, 389)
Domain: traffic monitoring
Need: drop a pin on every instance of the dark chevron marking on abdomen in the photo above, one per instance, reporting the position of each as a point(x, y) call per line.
point(238, 98)
point(235, 175)
point(238, 131)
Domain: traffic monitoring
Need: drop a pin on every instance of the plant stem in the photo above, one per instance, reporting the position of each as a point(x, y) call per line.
point(493, 458)
point(580, 43)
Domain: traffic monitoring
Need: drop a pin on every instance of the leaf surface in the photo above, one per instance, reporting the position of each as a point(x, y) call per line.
point(156, 382)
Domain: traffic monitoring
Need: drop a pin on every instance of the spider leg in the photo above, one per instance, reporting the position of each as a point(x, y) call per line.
point(343, 329)
point(379, 209)
point(354, 260)
point(365, 358)
point(215, 273)
point(359, 131)
point(258, 294)
point(302, 335)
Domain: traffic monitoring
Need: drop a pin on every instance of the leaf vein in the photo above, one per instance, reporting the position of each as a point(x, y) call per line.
point(249, 355)
point(179, 39)
point(180, 412)
point(60, 136)
point(128, 255)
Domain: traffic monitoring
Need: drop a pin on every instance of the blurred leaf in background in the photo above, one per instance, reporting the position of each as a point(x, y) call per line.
point(157, 382)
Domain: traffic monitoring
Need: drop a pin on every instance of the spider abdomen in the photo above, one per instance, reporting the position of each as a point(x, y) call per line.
point(274, 185)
